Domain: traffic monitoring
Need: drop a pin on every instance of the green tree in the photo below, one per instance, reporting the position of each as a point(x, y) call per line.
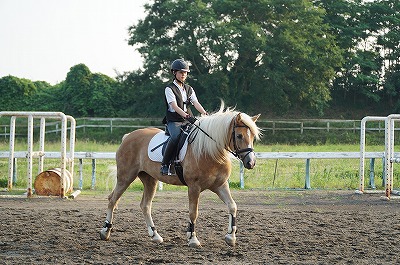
point(16, 93)
point(301, 56)
point(46, 97)
point(88, 94)
point(242, 51)
point(386, 29)
point(77, 91)
point(347, 22)
point(101, 102)
point(369, 34)
point(140, 95)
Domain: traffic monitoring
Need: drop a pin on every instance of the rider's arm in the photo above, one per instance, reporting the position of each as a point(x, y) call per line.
point(178, 109)
point(199, 108)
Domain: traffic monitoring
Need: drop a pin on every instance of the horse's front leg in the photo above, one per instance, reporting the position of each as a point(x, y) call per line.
point(194, 194)
point(225, 195)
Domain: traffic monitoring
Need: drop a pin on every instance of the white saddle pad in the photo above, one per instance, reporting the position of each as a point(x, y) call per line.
point(156, 155)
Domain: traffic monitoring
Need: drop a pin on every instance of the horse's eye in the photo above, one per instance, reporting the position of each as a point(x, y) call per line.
point(240, 136)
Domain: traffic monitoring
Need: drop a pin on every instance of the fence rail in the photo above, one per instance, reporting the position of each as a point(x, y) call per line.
point(275, 126)
point(261, 155)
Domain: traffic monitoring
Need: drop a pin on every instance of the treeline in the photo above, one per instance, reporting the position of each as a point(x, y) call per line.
point(277, 57)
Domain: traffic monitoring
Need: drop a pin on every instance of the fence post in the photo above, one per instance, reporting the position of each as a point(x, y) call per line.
point(241, 174)
point(15, 170)
point(372, 174)
point(80, 173)
point(93, 173)
point(383, 172)
point(307, 183)
point(160, 185)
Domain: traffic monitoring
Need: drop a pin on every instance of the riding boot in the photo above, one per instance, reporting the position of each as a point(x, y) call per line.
point(168, 153)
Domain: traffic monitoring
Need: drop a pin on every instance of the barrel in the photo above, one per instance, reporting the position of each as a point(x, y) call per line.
point(48, 183)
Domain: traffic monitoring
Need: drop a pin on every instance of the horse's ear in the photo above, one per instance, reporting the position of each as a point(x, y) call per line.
point(255, 118)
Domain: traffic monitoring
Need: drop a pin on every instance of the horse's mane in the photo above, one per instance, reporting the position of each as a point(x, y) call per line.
point(217, 125)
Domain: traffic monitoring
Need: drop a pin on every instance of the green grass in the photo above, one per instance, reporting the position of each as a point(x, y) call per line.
point(268, 173)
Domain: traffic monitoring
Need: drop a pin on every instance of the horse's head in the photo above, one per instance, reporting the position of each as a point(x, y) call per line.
point(226, 131)
point(244, 131)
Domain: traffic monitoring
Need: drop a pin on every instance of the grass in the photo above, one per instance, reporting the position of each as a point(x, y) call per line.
point(268, 174)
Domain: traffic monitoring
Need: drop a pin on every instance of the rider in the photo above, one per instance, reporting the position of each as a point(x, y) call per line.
point(177, 96)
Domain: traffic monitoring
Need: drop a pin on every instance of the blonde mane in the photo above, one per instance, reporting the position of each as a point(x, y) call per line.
point(217, 126)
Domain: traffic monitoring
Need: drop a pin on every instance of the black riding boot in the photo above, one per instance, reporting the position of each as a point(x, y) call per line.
point(168, 153)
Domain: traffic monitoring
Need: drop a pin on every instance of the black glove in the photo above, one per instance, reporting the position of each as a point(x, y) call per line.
point(191, 119)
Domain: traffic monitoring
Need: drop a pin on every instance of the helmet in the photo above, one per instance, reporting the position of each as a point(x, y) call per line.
point(180, 65)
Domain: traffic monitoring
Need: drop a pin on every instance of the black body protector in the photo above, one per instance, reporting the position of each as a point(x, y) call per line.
point(173, 116)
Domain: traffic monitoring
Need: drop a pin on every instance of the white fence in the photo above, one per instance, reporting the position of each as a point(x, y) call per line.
point(275, 126)
point(30, 154)
point(307, 156)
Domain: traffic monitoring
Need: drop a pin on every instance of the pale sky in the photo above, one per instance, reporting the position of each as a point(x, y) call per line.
point(42, 39)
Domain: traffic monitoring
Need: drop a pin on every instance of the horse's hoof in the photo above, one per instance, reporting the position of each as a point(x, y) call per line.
point(105, 234)
point(230, 239)
point(194, 242)
point(157, 238)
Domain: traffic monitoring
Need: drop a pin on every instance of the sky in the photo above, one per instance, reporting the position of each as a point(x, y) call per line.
point(41, 40)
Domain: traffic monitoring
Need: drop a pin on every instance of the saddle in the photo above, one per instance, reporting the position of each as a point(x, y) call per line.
point(157, 146)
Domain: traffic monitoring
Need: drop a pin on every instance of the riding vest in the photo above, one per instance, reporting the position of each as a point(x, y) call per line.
point(174, 116)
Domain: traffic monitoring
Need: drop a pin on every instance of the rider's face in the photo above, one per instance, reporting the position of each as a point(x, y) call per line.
point(181, 76)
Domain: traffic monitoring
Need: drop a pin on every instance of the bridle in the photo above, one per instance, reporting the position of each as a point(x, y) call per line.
point(236, 152)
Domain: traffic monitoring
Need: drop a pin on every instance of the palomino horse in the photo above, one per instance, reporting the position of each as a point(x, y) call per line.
point(206, 165)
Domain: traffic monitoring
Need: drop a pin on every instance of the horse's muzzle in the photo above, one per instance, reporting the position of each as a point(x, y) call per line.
point(250, 164)
point(249, 160)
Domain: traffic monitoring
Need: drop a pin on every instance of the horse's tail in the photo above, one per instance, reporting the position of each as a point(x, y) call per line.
point(112, 177)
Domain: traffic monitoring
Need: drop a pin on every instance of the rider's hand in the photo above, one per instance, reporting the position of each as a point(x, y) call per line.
point(191, 119)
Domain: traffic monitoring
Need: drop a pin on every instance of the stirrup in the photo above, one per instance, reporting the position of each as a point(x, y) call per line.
point(165, 170)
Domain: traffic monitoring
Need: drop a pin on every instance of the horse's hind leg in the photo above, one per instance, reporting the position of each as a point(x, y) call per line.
point(122, 184)
point(150, 186)
point(225, 195)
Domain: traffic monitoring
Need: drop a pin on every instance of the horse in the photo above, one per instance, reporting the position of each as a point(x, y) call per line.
point(206, 165)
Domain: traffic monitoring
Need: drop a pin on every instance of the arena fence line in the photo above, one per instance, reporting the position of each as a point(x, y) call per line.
point(307, 156)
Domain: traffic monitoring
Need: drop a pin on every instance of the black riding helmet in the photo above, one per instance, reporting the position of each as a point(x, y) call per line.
point(180, 65)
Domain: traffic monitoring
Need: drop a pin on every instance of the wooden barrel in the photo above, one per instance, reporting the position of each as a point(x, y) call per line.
point(48, 183)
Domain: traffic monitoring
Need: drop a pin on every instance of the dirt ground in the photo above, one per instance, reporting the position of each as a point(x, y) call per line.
point(274, 227)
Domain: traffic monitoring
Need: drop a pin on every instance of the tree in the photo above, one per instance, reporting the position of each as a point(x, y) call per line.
point(280, 51)
point(368, 32)
point(101, 102)
point(87, 94)
point(140, 95)
point(77, 91)
point(46, 97)
point(386, 29)
point(16, 93)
